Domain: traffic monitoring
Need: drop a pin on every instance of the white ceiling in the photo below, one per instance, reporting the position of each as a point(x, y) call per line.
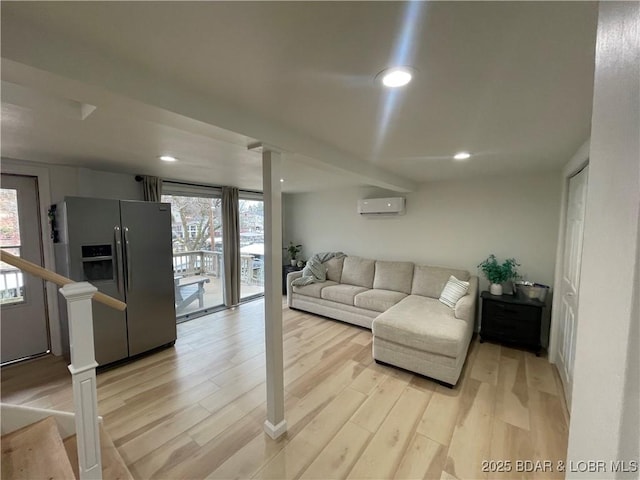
point(510, 82)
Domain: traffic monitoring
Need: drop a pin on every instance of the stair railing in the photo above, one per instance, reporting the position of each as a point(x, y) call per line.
point(83, 361)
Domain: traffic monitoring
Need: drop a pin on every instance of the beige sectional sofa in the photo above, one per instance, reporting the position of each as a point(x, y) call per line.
point(399, 302)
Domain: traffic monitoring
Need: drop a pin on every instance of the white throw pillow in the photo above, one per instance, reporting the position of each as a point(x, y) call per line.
point(453, 291)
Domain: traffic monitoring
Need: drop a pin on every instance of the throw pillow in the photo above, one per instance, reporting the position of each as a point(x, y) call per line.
point(453, 291)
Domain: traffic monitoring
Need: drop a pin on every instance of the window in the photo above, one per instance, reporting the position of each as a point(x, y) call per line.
point(198, 253)
point(197, 256)
point(11, 281)
point(251, 211)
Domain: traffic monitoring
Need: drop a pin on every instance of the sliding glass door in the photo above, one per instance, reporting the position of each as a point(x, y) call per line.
point(197, 253)
point(251, 211)
point(198, 267)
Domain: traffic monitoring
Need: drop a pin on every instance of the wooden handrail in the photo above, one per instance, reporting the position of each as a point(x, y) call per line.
point(50, 276)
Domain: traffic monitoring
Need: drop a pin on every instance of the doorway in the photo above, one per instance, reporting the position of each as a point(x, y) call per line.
point(196, 223)
point(24, 323)
point(198, 264)
point(251, 213)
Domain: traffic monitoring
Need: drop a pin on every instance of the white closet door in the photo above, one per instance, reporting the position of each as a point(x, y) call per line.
point(568, 317)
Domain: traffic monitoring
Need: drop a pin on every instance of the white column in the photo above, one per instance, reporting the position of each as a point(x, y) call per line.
point(275, 425)
point(83, 371)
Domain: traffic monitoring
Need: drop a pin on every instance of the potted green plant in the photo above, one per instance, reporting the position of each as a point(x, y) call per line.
point(293, 251)
point(498, 273)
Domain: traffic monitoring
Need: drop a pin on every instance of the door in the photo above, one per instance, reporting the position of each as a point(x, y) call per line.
point(196, 223)
point(251, 220)
point(568, 319)
point(24, 327)
point(151, 316)
point(92, 235)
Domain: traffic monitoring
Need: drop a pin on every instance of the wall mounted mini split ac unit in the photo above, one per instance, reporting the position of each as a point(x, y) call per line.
point(381, 206)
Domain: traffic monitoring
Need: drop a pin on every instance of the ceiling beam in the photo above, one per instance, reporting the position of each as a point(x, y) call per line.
point(33, 99)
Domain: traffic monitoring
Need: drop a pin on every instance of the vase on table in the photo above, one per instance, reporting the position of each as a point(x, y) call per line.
point(495, 289)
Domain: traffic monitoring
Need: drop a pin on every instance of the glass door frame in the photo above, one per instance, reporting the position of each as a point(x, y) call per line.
point(259, 197)
point(196, 191)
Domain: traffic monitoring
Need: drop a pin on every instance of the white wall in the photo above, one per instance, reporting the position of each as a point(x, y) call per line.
point(453, 223)
point(84, 182)
point(604, 412)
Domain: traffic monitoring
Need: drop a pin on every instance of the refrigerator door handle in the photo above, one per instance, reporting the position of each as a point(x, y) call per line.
point(127, 252)
point(119, 259)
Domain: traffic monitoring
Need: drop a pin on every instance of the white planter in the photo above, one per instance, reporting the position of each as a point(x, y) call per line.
point(495, 289)
point(293, 263)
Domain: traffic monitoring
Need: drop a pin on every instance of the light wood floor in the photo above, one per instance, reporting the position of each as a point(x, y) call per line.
point(196, 410)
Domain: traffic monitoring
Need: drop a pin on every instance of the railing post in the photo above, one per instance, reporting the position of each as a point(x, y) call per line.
point(83, 371)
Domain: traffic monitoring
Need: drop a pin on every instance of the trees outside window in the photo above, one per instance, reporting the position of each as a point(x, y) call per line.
point(197, 222)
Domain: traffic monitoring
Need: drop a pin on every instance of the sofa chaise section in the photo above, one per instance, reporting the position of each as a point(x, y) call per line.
point(423, 335)
point(399, 302)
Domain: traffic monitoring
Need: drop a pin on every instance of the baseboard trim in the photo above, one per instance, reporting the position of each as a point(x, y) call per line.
point(275, 431)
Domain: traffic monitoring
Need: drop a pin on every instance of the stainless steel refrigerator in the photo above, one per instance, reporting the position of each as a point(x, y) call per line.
point(124, 249)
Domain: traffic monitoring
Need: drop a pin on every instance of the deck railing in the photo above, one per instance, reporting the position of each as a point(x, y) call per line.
point(83, 362)
point(197, 262)
point(11, 280)
point(206, 262)
point(11, 285)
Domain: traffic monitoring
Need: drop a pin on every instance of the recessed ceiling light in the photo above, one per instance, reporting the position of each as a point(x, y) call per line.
point(282, 180)
point(461, 155)
point(168, 158)
point(395, 77)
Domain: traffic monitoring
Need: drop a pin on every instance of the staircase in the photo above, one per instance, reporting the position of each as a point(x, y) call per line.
point(44, 449)
point(39, 443)
point(35, 451)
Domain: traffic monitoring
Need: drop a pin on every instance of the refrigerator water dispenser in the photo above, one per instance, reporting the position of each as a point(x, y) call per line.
point(97, 263)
